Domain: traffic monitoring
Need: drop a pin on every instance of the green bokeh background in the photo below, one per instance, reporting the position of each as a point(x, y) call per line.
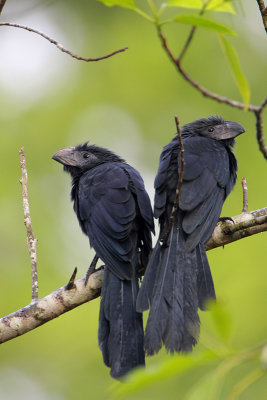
point(126, 103)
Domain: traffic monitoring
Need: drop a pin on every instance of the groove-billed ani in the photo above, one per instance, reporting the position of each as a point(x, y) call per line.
point(114, 211)
point(178, 279)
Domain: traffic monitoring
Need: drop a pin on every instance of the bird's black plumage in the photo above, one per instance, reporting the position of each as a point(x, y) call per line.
point(114, 211)
point(178, 280)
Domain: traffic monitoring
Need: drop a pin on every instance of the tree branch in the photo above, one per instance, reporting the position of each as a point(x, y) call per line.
point(244, 225)
point(41, 311)
point(59, 46)
point(263, 11)
point(65, 299)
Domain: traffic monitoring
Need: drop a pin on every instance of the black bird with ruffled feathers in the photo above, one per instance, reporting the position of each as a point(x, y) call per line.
point(178, 279)
point(114, 211)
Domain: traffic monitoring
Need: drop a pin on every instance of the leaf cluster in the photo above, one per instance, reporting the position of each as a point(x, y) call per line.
point(155, 16)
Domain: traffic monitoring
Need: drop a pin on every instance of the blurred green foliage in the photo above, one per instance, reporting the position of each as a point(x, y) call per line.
point(126, 103)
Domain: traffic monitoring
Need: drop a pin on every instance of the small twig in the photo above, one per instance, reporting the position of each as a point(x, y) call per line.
point(2, 3)
point(59, 46)
point(187, 43)
point(31, 241)
point(91, 269)
point(245, 195)
point(259, 130)
point(180, 181)
point(191, 34)
point(263, 11)
point(70, 285)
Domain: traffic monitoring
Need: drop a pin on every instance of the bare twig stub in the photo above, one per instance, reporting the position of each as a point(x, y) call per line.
point(179, 184)
point(245, 195)
point(70, 284)
point(31, 241)
point(263, 11)
point(59, 46)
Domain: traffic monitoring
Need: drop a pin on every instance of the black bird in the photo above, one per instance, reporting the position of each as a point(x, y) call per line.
point(114, 211)
point(178, 279)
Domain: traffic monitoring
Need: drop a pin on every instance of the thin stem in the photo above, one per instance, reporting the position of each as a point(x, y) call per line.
point(153, 8)
point(144, 15)
point(191, 34)
point(59, 46)
point(259, 130)
point(180, 181)
point(263, 11)
point(31, 241)
point(2, 3)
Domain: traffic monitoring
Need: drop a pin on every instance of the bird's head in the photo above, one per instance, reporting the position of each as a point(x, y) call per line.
point(214, 127)
point(81, 158)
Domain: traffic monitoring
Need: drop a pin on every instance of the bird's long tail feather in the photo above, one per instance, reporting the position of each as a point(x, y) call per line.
point(173, 319)
point(205, 284)
point(120, 333)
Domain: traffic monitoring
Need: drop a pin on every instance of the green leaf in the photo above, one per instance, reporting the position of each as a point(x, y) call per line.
point(196, 20)
point(185, 3)
point(173, 366)
point(213, 5)
point(121, 3)
point(239, 77)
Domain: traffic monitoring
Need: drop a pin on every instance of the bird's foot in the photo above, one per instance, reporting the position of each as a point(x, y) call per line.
point(224, 219)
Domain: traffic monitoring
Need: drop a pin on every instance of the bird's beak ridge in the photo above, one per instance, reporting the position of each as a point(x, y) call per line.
point(65, 156)
point(231, 129)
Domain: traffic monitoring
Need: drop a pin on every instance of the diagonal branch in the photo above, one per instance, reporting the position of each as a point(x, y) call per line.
point(263, 11)
point(221, 99)
point(202, 89)
point(59, 46)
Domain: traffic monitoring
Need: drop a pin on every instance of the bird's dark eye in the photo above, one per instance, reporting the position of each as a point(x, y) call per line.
point(210, 129)
point(85, 155)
